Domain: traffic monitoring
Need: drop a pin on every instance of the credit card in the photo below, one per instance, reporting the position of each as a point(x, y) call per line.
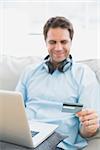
point(72, 107)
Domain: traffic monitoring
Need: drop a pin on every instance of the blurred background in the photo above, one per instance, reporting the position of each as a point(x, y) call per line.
point(22, 21)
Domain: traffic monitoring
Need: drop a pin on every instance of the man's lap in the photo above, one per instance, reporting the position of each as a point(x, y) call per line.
point(49, 144)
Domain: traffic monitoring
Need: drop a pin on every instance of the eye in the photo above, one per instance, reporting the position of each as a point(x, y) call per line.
point(64, 42)
point(52, 42)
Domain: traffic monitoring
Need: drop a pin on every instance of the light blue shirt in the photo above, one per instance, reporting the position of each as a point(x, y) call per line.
point(44, 95)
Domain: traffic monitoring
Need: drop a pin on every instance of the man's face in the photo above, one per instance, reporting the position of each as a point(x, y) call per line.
point(58, 43)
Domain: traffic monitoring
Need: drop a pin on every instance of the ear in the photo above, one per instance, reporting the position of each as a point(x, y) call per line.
point(46, 42)
point(71, 43)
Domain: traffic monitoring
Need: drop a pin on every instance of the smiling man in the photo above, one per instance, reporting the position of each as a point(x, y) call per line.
point(58, 79)
point(58, 43)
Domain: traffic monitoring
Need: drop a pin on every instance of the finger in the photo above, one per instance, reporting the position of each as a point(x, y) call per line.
point(89, 117)
point(92, 128)
point(90, 122)
point(85, 112)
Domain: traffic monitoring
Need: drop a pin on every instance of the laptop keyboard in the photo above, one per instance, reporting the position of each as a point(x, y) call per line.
point(33, 133)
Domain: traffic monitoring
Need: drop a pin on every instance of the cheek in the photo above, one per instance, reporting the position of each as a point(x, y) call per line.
point(50, 48)
point(67, 47)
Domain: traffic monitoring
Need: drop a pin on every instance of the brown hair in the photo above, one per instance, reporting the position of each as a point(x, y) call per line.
point(58, 21)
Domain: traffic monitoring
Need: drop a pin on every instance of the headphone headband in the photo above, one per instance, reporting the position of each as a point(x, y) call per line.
point(63, 66)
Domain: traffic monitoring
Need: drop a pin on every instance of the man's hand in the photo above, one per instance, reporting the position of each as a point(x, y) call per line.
point(90, 122)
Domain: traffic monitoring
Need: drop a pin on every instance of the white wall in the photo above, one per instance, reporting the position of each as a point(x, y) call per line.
point(21, 24)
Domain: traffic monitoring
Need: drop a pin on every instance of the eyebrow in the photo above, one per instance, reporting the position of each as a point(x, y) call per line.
point(54, 41)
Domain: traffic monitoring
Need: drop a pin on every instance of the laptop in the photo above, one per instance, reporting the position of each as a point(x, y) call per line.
point(14, 126)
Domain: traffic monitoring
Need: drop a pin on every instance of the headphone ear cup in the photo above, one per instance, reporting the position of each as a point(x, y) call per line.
point(65, 65)
point(49, 67)
point(61, 66)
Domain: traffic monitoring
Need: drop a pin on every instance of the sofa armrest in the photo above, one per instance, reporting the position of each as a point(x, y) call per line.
point(96, 136)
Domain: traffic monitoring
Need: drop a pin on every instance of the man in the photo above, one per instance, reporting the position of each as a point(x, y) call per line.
point(46, 86)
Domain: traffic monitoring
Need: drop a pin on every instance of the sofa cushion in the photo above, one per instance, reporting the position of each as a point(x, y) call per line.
point(11, 67)
point(94, 64)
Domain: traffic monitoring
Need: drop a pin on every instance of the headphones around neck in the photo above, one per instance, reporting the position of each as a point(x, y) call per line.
point(63, 66)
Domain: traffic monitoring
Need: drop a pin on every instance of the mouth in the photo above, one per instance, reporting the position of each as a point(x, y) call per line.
point(59, 54)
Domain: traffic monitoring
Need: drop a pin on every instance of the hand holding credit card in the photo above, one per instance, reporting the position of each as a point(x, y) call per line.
point(72, 107)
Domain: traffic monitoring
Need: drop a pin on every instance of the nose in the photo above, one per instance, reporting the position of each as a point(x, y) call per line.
point(58, 46)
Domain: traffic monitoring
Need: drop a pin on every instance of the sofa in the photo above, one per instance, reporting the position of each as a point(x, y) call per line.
point(11, 67)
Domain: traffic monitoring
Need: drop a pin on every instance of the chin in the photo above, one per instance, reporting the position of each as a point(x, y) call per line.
point(60, 59)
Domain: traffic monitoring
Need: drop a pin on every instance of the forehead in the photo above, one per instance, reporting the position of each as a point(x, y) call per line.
point(58, 33)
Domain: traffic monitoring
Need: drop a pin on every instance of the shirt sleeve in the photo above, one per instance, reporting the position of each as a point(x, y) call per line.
point(21, 86)
point(89, 90)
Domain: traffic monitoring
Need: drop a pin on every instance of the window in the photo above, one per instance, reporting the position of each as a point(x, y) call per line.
point(21, 24)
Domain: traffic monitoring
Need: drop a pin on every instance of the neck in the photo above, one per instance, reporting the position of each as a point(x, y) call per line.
point(56, 64)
